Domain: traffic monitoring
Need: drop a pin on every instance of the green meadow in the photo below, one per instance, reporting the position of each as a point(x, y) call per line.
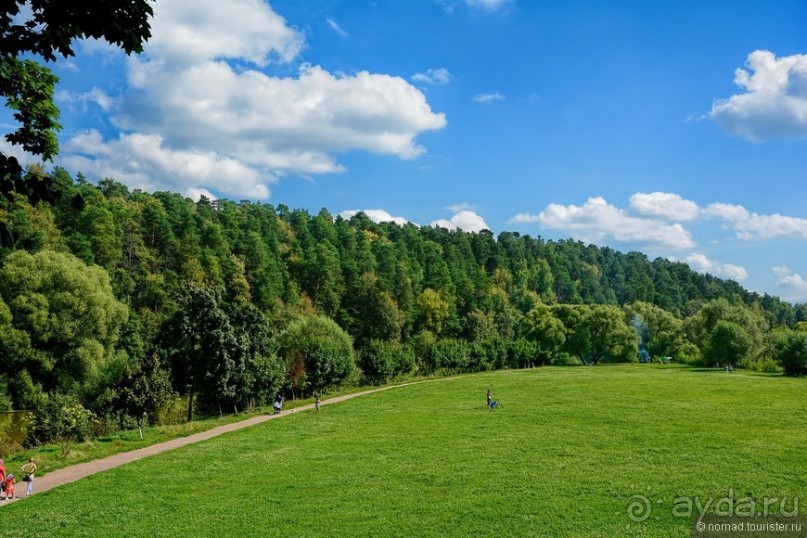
point(572, 451)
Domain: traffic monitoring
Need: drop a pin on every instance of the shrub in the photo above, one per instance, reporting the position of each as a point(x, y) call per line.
point(729, 343)
point(791, 353)
point(25, 393)
point(174, 411)
point(423, 344)
point(264, 378)
point(5, 399)
point(767, 365)
point(525, 353)
point(452, 354)
point(317, 352)
point(383, 360)
point(491, 353)
point(61, 418)
point(479, 356)
point(689, 353)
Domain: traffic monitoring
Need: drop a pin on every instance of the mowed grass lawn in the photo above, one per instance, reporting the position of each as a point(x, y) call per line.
point(566, 453)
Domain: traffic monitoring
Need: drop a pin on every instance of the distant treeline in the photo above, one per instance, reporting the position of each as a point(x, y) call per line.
point(111, 300)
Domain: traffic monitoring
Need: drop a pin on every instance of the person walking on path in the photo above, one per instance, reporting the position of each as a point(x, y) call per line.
point(29, 469)
point(78, 471)
point(10, 481)
point(278, 405)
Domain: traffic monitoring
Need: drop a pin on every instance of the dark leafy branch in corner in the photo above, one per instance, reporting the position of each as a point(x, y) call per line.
point(46, 29)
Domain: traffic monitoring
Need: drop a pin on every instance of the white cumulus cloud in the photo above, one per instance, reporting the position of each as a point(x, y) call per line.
point(81, 101)
point(15, 151)
point(196, 194)
point(197, 31)
point(793, 287)
point(375, 215)
point(142, 161)
point(664, 204)
point(203, 87)
point(774, 104)
point(748, 225)
point(467, 221)
point(702, 264)
point(653, 223)
point(597, 222)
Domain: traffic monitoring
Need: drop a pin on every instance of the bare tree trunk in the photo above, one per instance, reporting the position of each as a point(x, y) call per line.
point(190, 406)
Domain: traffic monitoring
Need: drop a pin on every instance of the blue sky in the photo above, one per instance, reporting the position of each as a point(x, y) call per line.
point(678, 129)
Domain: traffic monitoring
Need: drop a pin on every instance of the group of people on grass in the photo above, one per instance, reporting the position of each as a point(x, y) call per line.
point(277, 405)
point(7, 480)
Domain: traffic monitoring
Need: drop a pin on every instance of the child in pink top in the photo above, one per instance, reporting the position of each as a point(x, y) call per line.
point(10, 486)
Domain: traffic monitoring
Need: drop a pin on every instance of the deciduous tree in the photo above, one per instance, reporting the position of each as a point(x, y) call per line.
point(546, 331)
point(791, 353)
point(318, 353)
point(64, 316)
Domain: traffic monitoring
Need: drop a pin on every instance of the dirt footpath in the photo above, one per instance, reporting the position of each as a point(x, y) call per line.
point(77, 472)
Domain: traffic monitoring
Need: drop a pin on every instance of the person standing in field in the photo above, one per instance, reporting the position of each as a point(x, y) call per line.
point(489, 397)
point(29, 469)
point(317, 404)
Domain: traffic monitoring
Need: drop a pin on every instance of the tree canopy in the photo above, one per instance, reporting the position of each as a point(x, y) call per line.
point(62, 318)
point(39, 31)
point(234, 302)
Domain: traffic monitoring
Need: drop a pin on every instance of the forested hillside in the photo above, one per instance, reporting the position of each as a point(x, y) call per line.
point(112, 299)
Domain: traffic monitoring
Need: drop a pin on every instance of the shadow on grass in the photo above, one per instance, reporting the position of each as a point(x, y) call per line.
point(741, 371)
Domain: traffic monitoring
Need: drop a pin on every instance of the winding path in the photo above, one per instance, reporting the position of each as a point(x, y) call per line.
point(77, 472)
